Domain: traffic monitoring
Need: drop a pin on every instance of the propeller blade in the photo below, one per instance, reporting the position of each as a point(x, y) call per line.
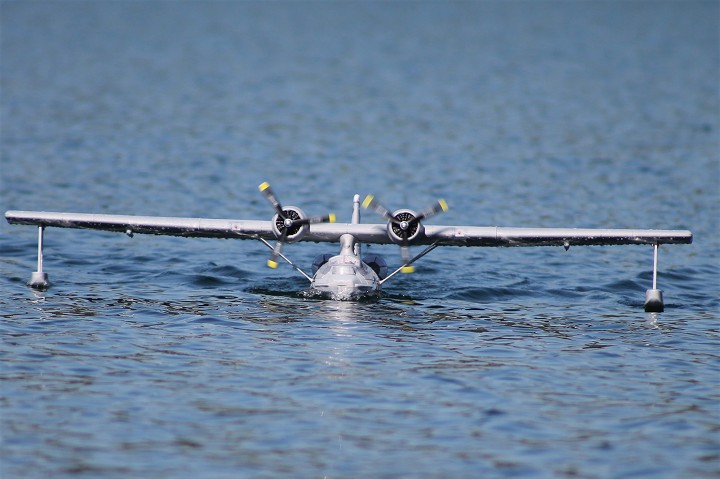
point(330, 217)
point(267, 191)
point(439, 206)
point(272, 261)
point(371, 202)
point(405, 255)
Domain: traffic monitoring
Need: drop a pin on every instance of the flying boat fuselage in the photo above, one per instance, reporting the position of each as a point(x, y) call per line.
point(346, 276)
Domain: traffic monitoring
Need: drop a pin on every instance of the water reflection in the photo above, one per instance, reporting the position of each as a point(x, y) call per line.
point(651, 320)
point(340, 313)
point(38, 296)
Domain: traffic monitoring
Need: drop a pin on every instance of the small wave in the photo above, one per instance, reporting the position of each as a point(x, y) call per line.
point(275, 292)
point(212, 321)
point(623, 286)
point(216, 275)
point(226, 271)
point(489, 294)
point(208, 281)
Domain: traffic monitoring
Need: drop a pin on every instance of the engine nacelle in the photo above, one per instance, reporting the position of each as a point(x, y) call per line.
point(412, 230)
point(295, 231)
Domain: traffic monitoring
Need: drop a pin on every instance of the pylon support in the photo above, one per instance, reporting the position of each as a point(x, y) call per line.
point(653, 296)
point(39, 279)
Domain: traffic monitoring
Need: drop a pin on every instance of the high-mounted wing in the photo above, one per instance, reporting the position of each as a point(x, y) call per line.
point(538, 237)
point(131, 224)
point(194, 227)
point(468, 236)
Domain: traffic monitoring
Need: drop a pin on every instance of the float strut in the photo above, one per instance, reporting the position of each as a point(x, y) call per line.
point(654, 297)
point(39, 279)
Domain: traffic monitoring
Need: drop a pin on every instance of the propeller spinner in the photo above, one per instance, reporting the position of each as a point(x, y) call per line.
point(289, 223)
point(404, 225)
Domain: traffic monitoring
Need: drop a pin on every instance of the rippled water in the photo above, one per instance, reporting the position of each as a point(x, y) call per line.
point(170, 357)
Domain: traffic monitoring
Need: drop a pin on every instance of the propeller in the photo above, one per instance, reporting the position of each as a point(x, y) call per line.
point(288, 222)
point(404, 225)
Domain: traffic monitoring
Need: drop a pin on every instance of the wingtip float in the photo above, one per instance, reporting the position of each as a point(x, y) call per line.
point(350, 275)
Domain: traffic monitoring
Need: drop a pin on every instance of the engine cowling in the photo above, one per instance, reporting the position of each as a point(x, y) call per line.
point(295, 231)
point(404, 229)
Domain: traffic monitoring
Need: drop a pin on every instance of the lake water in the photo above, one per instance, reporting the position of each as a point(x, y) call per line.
point(172, 357)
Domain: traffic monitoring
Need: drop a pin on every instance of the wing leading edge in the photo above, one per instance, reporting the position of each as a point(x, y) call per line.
point(366, 233)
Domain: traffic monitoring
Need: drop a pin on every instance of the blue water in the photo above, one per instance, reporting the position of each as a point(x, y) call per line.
point(172, 357)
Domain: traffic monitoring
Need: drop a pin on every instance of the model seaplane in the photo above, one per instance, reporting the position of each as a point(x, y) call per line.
point(349, 275)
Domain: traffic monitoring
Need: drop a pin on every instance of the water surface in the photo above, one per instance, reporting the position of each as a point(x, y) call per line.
point(171, 357)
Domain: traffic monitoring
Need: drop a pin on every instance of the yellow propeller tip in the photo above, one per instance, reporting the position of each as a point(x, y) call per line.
point(367, 201)
point(272, 264)
point(408, 269)
point(443, 205)
point(332, 218)
point(263, 186)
